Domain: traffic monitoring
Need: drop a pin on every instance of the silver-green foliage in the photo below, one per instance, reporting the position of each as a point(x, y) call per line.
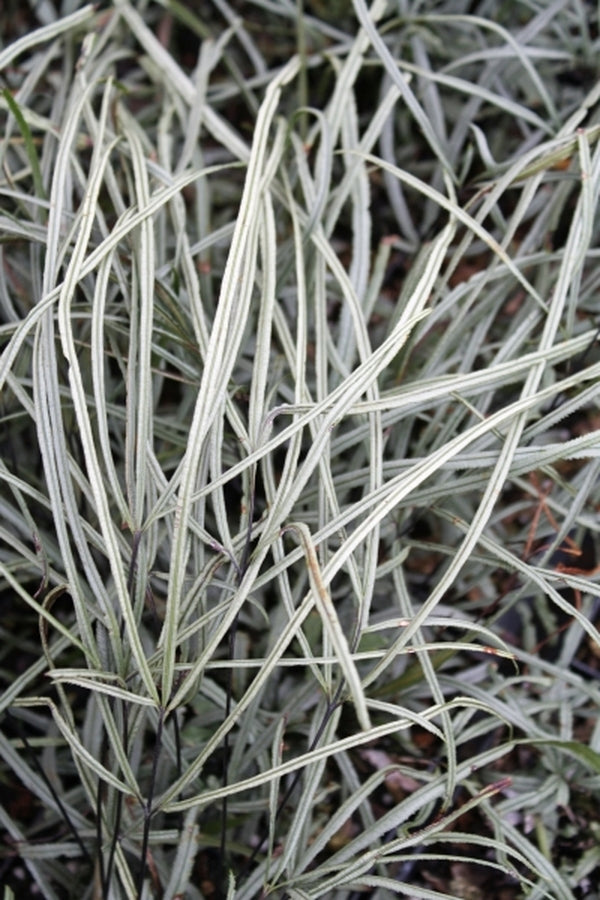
point(258, 496)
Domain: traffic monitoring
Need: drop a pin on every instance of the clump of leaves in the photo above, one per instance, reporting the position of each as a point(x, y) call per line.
point(300, 470)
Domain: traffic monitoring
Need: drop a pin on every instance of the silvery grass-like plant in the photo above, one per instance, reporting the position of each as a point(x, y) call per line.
point(300, 451)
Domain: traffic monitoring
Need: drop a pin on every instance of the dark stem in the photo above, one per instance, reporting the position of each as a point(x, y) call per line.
point(63, 811)
point(148, 806)
point(331, 707)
